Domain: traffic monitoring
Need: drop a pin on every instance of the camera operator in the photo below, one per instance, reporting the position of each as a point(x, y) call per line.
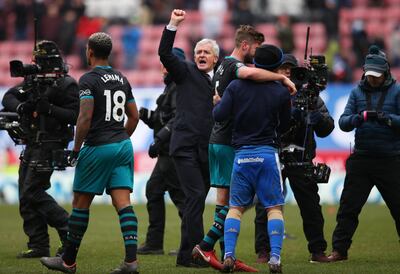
point(164, 177)
point(46, 107)
point(373, 110)
point(305, 188)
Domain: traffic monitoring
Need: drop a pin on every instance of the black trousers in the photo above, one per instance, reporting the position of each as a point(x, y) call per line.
point(306, 194)
point(162, 179)
point(193, 174)
point(37, 208)
point(362, 173)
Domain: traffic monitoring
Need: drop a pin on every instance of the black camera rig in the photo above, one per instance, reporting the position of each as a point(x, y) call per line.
point(310, 80)
point(38, 77)
point(59, 161)
point(319, 172)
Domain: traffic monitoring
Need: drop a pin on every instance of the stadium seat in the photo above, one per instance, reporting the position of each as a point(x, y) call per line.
point(135, 78)
point(392, 3)
point(228, 31)
point(345, 42)
point(395, 73)
point(193, 17)
point(24, 47)
point(148, 61)
point(316, 29)
point(7, 48)
point(392, 12)
point(374, 28)
point(228, 44)
point(152, 78)
point(344, 28)
point(148, 46)
point(360, 3)
point(115, 32)
point(268, 29)
point(360, 13)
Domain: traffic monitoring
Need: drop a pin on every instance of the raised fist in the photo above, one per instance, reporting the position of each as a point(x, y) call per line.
point(177, 16)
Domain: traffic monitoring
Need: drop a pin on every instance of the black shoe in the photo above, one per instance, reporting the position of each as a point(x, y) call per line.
point(33, 253)
point(127, 268)
point(57, 263)
point(147, 250)
point(262, 257)
point(195, 263)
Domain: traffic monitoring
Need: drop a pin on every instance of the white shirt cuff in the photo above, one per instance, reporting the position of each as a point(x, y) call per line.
point(172, 27)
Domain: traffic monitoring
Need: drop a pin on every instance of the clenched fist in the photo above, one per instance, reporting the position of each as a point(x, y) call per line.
point(177, 16)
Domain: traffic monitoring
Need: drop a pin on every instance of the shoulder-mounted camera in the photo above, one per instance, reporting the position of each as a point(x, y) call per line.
point(48, 63)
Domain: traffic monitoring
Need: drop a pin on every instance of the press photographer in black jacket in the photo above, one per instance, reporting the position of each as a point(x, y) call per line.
point(48, 106)
point(305, 189)
point(164, 177)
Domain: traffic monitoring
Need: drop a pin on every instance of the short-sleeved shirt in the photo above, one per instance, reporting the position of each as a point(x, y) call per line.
point(226, 73)
point(110, 91)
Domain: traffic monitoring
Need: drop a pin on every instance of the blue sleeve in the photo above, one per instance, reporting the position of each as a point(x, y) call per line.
point(395, 116)
point(222, 111)
point(349, 112)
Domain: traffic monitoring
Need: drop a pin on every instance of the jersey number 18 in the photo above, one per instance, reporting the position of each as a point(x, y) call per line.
point(118, 100)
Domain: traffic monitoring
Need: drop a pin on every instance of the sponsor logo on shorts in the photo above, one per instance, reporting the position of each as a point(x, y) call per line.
point(250, 160)
point(275, 232)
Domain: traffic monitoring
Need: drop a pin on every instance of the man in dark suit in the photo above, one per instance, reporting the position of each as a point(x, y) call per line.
point(192, 128)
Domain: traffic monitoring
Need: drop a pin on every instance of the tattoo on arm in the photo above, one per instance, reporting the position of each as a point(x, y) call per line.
point(84, 121)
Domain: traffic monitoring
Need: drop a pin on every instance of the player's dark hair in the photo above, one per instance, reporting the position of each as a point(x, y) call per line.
point(101, 44)
point(248, 33)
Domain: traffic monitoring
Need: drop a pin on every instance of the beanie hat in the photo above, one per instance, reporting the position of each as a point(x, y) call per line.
point(268, 57)
point(375, 62)
point(289, 59)
point(178, 52)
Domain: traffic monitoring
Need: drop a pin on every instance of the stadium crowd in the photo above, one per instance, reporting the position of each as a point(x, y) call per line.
point(341, 30)
point(224, 125)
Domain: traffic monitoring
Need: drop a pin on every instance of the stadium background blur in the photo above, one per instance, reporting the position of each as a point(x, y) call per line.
point(342, 30)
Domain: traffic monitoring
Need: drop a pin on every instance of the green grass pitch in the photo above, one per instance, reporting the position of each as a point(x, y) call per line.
point(375, 249)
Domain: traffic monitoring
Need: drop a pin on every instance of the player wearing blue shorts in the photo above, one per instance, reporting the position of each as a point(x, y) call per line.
point(106, 160)
point(220, 151)
point(260, 111)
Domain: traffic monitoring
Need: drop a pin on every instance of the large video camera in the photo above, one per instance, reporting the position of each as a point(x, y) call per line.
point(46, 66)
point(310, 80)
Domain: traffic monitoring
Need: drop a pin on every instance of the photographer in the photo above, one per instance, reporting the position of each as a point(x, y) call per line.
point(373, 110)
point(46, 107)
point(305, 121)
point(164, 177)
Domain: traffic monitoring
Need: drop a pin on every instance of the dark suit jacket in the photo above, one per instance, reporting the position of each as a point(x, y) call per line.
point(194, 101)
